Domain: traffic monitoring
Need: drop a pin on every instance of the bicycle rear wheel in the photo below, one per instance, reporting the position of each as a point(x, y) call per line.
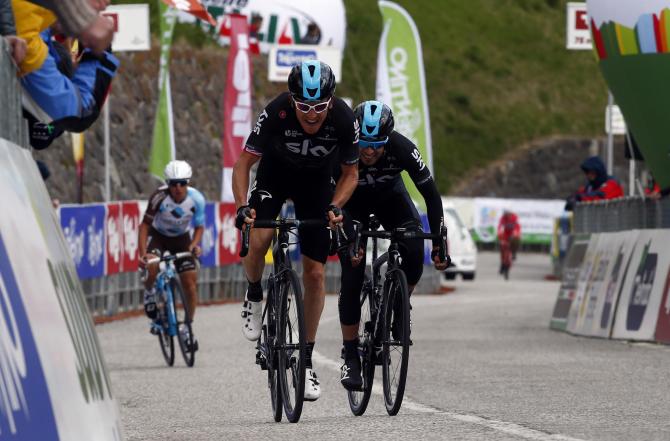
point(184, 336)
point(165, 340)
point(358, 400)
point(395, 340)
point(291, 345)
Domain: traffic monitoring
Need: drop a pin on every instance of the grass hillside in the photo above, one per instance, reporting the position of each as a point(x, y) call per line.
point(498, 76)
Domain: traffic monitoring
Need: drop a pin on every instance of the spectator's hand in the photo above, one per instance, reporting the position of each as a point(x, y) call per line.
point(98, 36)
point(195, 250)
point(335, 216)
point(99, 5)
point(18, 48)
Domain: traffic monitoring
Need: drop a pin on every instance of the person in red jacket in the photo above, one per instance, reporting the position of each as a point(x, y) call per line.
point(509, 235)
point(599, 184)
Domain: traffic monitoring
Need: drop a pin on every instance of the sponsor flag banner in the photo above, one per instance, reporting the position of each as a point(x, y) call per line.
point(131, 222)
point(113, 239)
point(229, 236)
point(193, 7)
point(237, 112)
point(163, 148)
point(401, 83)
point(84, 230)
point(208, 242)
point(638, 307)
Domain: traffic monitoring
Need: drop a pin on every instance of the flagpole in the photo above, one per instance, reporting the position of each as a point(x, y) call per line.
point(107, 180)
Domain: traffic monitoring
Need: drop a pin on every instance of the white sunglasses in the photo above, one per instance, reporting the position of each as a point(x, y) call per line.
point(318, 108)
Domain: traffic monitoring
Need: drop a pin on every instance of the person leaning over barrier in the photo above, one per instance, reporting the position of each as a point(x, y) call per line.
point(384, 154)
point(599, 184)
point(165, 227)
point(298, 138)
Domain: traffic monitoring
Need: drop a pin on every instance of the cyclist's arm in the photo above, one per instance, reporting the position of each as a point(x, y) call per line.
point(346, 184)
point(241, 172)
point(143, 235)
point(428, 190)
point(197, 236)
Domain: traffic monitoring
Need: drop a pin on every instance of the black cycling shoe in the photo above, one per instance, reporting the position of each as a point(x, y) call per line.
point(350, 374)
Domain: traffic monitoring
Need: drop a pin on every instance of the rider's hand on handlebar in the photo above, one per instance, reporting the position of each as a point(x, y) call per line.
point(358, 258)
point(439, 265)
point(245, 215)
point(142, 261)
point(195, 250)
point(335, 217)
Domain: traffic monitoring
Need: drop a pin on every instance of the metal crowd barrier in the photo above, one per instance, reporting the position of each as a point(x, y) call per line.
point(122, 293)
point(621, 214)
point(12, 125)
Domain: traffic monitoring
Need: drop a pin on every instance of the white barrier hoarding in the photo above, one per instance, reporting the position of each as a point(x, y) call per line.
point(578, 32)
point(640, 300)
point(49, 353)
point(131, 27)
point(586, 273)
point(282, 58)
point(567, 291)
point(536, 217)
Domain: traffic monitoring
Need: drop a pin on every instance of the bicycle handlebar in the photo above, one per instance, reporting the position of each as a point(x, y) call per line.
point(403, 233)
point(281, 223)
point(169, 257)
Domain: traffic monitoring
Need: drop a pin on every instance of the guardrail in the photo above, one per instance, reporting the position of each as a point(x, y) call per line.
point(12, 125)
point(621, 215)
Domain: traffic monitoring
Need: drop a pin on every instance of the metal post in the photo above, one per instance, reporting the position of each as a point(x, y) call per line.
point(631, 166)
point(610, 135)
point(108, 188)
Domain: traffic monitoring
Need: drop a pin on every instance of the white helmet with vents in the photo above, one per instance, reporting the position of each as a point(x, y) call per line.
point(177, 170)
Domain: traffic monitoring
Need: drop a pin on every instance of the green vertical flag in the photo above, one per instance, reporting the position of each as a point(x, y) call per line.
point(401, 83)
point(162, 148)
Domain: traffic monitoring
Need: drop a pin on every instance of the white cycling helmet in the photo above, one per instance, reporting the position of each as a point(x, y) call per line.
point(177, 170)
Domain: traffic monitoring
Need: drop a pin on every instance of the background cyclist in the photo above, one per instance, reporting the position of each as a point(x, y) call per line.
point(509, 234)
point(165, 227)
point(384, 154)
point(298, 138)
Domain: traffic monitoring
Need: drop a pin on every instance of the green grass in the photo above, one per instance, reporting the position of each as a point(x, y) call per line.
point(498, 76)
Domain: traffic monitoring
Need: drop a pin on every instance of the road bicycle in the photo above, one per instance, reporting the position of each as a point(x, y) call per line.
point(281, 347)
point(505, 257)
point(384, 330)
point(173, 310)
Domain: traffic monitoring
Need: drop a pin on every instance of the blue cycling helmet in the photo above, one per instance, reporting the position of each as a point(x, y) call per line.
point(375, 120)
point(311, 80)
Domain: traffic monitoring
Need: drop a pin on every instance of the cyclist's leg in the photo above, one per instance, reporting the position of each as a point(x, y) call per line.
point(186, 268)
point(155, 247)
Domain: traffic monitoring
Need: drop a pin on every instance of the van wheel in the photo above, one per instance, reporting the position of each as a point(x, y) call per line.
point(469, 276)
point(450, 276)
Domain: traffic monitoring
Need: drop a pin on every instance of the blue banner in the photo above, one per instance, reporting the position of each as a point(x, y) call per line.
point(30, 416)
point(84, 230)
point(209, 237)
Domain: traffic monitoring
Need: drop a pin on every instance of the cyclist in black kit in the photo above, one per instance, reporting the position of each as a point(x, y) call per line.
point(384, 154)
point(299, 137)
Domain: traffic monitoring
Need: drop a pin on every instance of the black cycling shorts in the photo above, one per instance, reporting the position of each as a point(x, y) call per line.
point(158, 243)
point(311, 193)
point(393, 209)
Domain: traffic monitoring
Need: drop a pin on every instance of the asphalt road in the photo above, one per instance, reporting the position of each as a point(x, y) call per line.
point(484, 365)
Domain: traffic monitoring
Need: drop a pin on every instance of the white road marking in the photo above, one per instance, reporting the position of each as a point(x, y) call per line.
point(500, 426)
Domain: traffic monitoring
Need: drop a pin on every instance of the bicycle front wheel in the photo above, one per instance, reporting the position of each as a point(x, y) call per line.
point(395, 340)
point(291, 345)
point(358, 400)
point(165, 340)
point(184, 329)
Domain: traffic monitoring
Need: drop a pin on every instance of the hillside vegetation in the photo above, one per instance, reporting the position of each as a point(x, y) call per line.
point(498, 76)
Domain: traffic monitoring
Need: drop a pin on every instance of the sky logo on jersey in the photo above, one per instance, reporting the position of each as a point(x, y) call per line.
point(291, 57)
point(25, 406)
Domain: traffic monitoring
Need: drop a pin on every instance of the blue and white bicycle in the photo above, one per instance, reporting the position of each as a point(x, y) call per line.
point(173, 312)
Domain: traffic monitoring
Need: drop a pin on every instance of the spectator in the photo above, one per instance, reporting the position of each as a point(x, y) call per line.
point(80, 18)
point(598, 186)
point(652, 190)
point(69, 96)
point(8, 30)
point(313, 35)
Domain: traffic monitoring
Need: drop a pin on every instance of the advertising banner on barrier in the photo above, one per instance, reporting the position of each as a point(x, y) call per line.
point(640, 300)
point(83, 227)
point(113, 239)
point(663, 325)
point(536, 217)
point(208, 242)
point(567, 291)
point(229, 236)
point(583, 281)
point(130, 211)
point(52, 356)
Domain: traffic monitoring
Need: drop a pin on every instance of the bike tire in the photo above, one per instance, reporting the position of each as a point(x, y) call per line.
point(267, 341)
point(395, 352)
point(358, 400)
point(186, 347)
point(165, 340)
point(292, 343)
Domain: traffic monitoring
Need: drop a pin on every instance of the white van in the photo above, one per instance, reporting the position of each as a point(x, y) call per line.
point(462, 248)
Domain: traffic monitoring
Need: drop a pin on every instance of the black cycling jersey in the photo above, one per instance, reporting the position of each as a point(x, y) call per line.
point(279, 135)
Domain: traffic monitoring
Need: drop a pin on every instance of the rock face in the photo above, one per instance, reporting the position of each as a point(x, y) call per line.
point(547, 168)
point(197, 79)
